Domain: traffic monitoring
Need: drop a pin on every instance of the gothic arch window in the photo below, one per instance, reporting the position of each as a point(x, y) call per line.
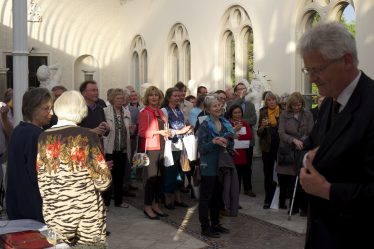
point(135, 69)
point(179, 55)
point(236, 46)
point(139, 62)
point(314, 12)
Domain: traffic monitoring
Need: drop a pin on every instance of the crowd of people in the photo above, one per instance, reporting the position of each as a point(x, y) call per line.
point(72, 153)
point(70, 138)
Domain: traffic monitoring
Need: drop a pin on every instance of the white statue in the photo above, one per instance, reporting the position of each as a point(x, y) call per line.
point(44, 76)
point(144, 87)
point(259, 85)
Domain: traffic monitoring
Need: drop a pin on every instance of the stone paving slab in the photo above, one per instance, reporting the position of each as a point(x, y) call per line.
point(252, 228)
point(131, 230)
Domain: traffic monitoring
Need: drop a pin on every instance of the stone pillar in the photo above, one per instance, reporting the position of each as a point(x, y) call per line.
point(20, 57)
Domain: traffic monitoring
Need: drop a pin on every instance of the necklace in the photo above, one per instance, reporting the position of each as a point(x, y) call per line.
point(174, 111)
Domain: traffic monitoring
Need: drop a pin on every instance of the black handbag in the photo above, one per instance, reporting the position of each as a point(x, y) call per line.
point(286, 154)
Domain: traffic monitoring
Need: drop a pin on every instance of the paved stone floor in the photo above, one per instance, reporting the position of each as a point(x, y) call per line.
point(252, 228)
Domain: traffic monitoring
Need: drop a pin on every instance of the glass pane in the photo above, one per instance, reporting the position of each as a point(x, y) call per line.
point(348, 19)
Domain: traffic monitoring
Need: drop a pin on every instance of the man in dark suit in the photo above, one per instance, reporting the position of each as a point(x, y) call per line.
point(338, 170)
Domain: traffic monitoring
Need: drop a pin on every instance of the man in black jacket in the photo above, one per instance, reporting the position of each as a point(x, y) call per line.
point(338, 170)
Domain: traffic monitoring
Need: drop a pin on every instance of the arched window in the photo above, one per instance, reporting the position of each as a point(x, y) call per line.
point(237, 46)
point(139, 62)
point(145, 66)
point(179, 55)
point(187, 61)
point(135, 69)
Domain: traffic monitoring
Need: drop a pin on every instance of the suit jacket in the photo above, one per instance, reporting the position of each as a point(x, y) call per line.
point(346, 159)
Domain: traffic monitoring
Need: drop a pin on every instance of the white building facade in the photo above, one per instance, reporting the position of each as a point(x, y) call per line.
point(130, 42)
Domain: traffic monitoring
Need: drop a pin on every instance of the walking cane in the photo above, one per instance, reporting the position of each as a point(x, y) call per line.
point(293, 198)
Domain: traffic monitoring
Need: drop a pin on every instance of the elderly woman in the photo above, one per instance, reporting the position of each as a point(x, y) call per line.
point(152, 139)
point(23, 200)
point(117, 145)
point(214, 134)
point(173, 175)
point(295, 124)
point(269, 142)
point(71, 173)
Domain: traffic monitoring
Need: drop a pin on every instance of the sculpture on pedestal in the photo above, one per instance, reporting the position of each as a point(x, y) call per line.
point(46, 79)
point(259, 85)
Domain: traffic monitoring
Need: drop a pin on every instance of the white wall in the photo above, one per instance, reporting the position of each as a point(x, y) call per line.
point(105, 30)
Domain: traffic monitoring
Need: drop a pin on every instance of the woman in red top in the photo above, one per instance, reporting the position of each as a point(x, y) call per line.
point(243, 132)
point(151, 134)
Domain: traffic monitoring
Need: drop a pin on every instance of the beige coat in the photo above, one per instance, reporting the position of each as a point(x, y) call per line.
point(290, 128)
point(109, 140)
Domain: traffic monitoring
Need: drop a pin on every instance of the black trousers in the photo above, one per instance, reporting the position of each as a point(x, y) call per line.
point(210, 201)
point(287, 186)
point(245, 171)
point(152, 186)
point(268, 159)
point(119, 163)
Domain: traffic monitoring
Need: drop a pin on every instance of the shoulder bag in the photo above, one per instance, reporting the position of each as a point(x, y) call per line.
point(141, 159)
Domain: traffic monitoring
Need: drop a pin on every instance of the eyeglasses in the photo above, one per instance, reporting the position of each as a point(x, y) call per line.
point(320, 69)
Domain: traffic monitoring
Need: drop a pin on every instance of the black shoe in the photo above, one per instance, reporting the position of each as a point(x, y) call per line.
point(169, 206)
point(266, 206)
point(294, 211)
point(210, 233)
point(160, 214)
point(150, 217)
point(240, 207)
point(181, 204)
point(282, 206)
point(129, 194)
point(131, 187)
point(184, 190)
point(220, 229)
point(250, 193)
point(303, 213)
point(108, 233)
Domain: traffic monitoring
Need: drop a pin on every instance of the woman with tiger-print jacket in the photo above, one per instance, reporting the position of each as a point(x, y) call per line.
point(71, 174)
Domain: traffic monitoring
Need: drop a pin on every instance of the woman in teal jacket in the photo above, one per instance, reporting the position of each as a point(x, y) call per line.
point(213, 134)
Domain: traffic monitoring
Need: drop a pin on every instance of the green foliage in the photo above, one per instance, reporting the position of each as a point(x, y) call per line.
point(315, 19)
point(350, 26)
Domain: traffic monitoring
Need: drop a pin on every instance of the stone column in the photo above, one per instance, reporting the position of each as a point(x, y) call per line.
point(20, 56)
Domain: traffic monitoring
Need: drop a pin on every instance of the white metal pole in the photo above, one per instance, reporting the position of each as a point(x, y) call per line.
point(20, 57)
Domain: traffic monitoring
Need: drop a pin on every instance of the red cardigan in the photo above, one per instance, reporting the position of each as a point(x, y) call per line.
point(148, 124)
point(241, 157)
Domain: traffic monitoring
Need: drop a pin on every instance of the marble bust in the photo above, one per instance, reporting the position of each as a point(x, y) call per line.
point(45, 78)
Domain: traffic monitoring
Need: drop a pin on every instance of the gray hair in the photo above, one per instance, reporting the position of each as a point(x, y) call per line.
point(209, 99)
point(114, 93)
point(332, 40)
point(32, 99)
